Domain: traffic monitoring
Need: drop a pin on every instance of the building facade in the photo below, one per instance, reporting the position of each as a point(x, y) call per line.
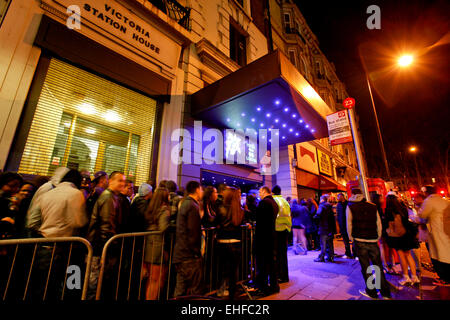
point(104, 85)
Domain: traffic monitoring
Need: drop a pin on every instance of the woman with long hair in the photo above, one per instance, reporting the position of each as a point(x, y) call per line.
point(157, 217)
point(401, 236)
point(230, 216)
point(209, 210)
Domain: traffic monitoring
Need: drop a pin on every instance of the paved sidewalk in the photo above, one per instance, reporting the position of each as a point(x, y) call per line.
point(342, 280)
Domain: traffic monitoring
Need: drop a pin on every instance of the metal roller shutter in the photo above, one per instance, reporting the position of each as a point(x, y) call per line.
point(85, 122)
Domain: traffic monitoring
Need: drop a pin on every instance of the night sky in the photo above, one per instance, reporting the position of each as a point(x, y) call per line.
point(412, 104)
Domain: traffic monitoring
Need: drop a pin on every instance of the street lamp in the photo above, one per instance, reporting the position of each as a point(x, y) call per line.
point(413, 150)
point(403, 61)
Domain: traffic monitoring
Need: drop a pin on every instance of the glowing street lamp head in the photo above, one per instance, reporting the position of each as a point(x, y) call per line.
point(405, 60)
point(413, 149)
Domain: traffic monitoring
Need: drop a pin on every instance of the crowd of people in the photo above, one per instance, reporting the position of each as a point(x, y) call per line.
point(378, 233)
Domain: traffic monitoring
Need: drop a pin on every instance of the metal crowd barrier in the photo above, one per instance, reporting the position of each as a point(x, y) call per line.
point(118, 266)
point(122, 263)
point(39, 268)
point(118, 274)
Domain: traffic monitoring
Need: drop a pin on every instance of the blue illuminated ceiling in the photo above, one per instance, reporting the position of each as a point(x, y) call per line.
point(270, 102)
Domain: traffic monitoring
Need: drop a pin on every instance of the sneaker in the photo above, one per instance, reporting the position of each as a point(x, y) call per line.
point(405, 281)
point(331, 260)
point(347, 257)
point(386, 297)
point(365, 294)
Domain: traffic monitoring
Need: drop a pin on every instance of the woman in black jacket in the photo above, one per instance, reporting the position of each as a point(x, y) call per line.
point(229, 218)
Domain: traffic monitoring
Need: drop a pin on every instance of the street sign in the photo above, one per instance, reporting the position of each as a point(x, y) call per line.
point(348, 103)
point(339, 130)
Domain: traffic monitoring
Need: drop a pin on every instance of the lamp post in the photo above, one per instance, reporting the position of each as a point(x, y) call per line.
point(380, 138)
point(413, 150)
point(403, 61)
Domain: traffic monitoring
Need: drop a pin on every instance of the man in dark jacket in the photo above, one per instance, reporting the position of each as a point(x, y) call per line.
point(265, 248)
point(187, 255)
point(106, 222)
point(327, 229)
point(341, 208)
point(364, 228)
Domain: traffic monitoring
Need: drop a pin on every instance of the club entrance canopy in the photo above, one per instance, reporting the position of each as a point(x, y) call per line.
point(269, 93)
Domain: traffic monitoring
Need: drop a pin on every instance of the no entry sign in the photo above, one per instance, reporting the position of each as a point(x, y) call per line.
point(348, 103)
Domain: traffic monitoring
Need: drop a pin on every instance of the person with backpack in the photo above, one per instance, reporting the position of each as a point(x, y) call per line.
point(402, 236)
point(436, 211)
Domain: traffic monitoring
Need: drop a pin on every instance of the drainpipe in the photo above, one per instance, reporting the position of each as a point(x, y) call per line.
point(268, 26)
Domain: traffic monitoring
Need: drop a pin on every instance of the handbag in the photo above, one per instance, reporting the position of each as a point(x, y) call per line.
point(396, 228)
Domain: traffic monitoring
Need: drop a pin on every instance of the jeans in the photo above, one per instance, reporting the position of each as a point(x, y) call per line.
point(326, 246)
point(189, 277)
point(348, 250)
point(368, 254)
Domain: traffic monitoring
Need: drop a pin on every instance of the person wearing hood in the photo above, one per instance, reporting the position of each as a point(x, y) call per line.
point(139, 206)
point(327, 229)
point(364, 229)
point(34, 218)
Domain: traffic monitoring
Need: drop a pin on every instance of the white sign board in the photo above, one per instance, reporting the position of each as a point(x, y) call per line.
point(339, 130)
